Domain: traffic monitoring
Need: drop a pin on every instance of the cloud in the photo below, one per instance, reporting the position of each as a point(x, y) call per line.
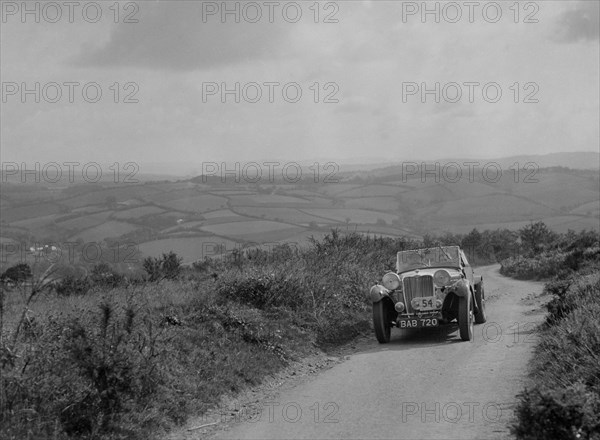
point(174, 36)
point(579, 23)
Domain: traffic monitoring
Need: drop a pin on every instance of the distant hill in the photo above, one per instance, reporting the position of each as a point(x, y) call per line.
point(585, 160)
point(198, 217)
point(577, 160)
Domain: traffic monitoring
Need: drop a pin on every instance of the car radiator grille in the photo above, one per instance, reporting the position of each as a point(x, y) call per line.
point(415, 287)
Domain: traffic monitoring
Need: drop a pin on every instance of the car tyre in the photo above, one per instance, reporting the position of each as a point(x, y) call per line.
point(381, 322)
point(480, 317)
point(465, 318)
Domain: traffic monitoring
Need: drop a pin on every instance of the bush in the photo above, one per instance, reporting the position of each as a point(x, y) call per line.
point(17, 273)
point(166, 267)
point(543, 266)
point(263, 290)
point(71, 285)
point(116, 361)
point(85, 376)
point(569, 350)
point(103, 275)
point(553, 256)
point(570, 413)
point(570, 294)
point(568, 355)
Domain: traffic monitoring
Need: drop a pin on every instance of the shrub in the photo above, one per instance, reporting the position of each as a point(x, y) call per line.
point(166, 267)
point(17, 273)
point(116, 361)
point(543, 266)
point(84, 376)
point(263, 290)
point(568, 356)
point(103, 275)
point(71, 285)
point(570, 413)
point(571, 293)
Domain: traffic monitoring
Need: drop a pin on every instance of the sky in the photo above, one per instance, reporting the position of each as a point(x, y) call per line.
point(348, 81)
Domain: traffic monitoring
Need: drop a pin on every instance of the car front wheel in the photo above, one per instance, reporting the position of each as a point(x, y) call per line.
point(381, 322)
point(465, 318)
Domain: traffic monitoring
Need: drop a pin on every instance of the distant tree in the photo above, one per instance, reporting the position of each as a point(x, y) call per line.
point(472, 243)
point(381, 222)
point(449, 239)
point(428, 241)
point(535, 237)
point(498, 245)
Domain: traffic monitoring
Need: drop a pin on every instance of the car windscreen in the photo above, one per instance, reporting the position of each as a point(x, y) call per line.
point(442, 256)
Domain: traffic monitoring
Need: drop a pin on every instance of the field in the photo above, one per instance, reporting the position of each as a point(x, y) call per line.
point(120, 193)
point(221, 213)
point(589, 209)
point(86, 221)
point(247, 229)
point(137, 212)
point(374, 203)
point(35, 222)
point(108, 229)
point(160, 215)
point(189, 249)
point(371, 191)
point(184, 226)
point(266, 199)
point(198, 203)
point(288, 215)
point(494, 208)
point(357, 216)
point(559, 190)
point(29, 212)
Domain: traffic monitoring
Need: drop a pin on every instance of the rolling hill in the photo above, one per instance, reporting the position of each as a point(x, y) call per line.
point(187, 215)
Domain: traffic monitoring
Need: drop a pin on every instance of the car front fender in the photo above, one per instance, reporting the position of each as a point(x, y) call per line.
point(378, 292)
point(462, 288)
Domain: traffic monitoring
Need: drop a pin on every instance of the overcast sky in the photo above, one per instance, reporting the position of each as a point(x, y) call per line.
point(376, 50)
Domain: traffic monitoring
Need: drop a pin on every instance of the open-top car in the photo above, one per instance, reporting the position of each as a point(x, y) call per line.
point(430, 287)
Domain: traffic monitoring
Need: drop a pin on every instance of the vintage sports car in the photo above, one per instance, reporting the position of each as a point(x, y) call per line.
point(430, 287)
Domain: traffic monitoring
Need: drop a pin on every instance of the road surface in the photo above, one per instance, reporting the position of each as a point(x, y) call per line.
point(424, 384)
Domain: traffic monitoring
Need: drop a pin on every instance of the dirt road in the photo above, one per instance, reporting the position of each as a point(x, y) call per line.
point(424, 384)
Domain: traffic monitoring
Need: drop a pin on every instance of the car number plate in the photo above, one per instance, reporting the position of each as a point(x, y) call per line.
point(426, 302)
point(417, 322)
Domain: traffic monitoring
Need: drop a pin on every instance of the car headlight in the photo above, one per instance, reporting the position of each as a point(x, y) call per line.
point(399, 307)
point(391, 281)
point(441, 278)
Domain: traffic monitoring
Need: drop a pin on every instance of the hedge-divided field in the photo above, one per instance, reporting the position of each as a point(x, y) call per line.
point(105, 357)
